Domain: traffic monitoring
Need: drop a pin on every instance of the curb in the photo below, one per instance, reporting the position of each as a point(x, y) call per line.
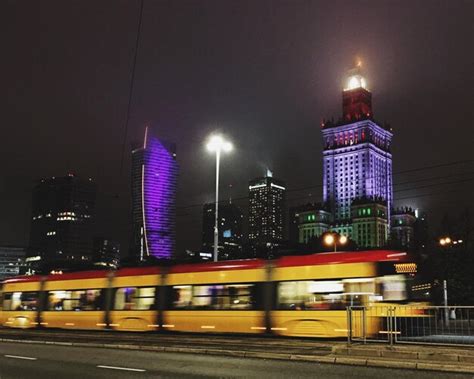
point(327, 359)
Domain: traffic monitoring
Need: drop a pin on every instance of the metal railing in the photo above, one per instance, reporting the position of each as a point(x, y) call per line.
point(417, 324)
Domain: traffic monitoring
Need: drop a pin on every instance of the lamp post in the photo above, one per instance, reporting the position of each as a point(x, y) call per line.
point(446, 242)
point(331, 240)
point(217, 144)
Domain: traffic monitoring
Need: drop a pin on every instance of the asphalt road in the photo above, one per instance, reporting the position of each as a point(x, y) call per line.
point(19, 360)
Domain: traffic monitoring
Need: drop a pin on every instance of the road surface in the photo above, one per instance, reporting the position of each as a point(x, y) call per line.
point(19, 360)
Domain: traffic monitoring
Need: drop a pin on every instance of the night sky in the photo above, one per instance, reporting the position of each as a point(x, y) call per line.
point(264, 73)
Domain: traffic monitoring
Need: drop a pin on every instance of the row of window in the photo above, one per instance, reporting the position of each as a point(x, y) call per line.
point(291, 295)
point(127, 298)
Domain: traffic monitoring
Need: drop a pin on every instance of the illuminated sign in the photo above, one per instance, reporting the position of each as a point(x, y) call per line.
point(33, 259)
point(277, 186)
point(257, 186)
point(405, 268)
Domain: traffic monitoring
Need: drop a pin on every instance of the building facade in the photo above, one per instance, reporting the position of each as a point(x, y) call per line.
point(267, 201)
point(311, 220)
point(402, 232)
point(106, 253)
point(154, 181)
point(230, 229)
point(357, 159)
point(369, 222)
point(62, 222)
point(12, 261)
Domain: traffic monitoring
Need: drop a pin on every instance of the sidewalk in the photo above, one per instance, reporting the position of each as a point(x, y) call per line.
point(420, 357)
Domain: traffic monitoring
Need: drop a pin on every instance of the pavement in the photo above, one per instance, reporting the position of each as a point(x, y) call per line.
point(419, 358)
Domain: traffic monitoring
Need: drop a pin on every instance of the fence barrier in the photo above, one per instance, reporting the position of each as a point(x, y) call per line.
point(418, 324)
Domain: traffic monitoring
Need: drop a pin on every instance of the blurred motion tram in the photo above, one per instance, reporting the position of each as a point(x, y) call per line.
point(291, 296)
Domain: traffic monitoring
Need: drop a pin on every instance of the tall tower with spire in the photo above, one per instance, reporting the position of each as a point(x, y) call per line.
point(357, 162)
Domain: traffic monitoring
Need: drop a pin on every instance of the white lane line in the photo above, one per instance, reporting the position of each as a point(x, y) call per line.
point(122, 368)
point(20, 357)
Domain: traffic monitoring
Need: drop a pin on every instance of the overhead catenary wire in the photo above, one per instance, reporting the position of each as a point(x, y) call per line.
point(418, 169)
point(132, 83)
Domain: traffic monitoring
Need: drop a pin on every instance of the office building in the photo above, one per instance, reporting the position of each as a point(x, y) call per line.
point(12, 261)
point(106, 253)
point(267, 197)
point(230, 229)
point(62, 223)
point(154, 181)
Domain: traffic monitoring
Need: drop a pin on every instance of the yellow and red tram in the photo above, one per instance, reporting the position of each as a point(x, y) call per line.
point(292, 296)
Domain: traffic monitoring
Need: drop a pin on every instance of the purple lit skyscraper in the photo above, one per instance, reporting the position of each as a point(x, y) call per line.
point(154, 180)
point(357, 162)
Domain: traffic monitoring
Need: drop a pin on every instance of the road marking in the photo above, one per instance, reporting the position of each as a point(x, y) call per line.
point(20, 357)
point(122, 368)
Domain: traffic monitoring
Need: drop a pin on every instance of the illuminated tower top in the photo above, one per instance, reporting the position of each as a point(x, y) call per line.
point(356, 153)
point(356, 98)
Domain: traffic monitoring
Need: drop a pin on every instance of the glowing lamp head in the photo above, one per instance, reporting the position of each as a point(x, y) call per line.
point(355, 81)
point(343, 240)
point(328, 239)
point(218, 143)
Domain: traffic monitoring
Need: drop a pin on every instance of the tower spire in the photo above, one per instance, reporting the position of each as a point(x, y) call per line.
point(356, 98)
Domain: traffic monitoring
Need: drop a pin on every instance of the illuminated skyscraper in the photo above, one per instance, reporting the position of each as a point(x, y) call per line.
point(266, 210)
point(154, 180)
point(357, 162)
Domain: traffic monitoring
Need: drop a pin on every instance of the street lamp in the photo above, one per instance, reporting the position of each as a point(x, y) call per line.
point(446, 241)
point(216, 144)
point(330, 240)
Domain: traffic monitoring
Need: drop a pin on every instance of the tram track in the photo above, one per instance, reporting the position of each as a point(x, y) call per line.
point(185, 340)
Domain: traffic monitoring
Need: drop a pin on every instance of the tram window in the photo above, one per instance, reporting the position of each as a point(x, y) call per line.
point(310, 295)
point(394, 287)
point(20, 301)
point(358, 291)
point(75, 300)
point(219, 297)
point(135, 298)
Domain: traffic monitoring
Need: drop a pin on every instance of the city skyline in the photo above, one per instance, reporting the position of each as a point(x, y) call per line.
point(68, 107)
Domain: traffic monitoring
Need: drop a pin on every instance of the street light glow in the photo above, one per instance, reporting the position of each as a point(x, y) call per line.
point(218, 143)
point(329, 239)
point(343, 240)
